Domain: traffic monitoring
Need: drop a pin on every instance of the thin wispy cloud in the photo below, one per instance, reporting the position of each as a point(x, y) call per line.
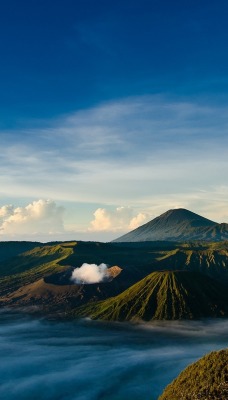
point(116, 129)
point(149, 153)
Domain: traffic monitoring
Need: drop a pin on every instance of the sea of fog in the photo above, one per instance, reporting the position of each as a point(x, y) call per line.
point(87, 360)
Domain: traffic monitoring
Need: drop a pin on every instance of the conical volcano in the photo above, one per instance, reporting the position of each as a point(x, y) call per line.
point(163, 295)
point(177, 225)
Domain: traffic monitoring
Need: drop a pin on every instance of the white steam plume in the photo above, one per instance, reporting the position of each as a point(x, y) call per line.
point(89, 273)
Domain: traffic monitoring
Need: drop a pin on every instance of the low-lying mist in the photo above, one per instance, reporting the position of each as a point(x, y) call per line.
point(89, 360)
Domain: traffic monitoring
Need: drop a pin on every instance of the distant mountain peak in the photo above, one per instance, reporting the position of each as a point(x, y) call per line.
point(177, 224)
point(178, 215)
point(182, 214)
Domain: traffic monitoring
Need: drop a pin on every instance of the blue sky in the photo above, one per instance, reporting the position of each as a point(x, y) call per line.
point(110, 114)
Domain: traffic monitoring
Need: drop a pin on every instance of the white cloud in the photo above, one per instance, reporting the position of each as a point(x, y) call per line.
point(148, 152)
point(5, 212)
point(43, 220)
point(39, 217)
point(120, 219)
point(137, 221)
point(89, 273)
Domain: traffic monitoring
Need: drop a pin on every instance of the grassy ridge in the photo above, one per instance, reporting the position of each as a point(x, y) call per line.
point(34, 258)
point(211, 259)
point(31, 266)
point(163, 295)
point(205, 379)
point(137, 258)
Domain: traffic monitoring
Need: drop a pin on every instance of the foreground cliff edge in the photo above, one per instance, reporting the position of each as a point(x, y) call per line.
point(205, 379)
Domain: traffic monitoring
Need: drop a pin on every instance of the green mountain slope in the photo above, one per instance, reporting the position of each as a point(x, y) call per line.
point(48, 259)
point(31, 266)
point(163, 295)
point(178, 225)
point(36, 257)
point(41, 275)
point(211, 259)
point(205, 379)
point(136, 259)
point(49, 296)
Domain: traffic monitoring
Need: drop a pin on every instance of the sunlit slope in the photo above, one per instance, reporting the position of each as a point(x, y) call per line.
point(205, 379)
point(163, 295)
point(41, 277)
point(210, 259)
point(133, 259)
point(140, 258)
point(36, 257)
point(53, 260)
point(51, 294)
point(42, 274)
point(137, 259)
point(32, 265)
point(178, 225)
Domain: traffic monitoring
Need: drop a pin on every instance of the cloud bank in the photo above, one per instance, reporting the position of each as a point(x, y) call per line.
point(44, 220)
point(149, 153)
point(120, 219)
point(39, 217)
point(89, 273)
